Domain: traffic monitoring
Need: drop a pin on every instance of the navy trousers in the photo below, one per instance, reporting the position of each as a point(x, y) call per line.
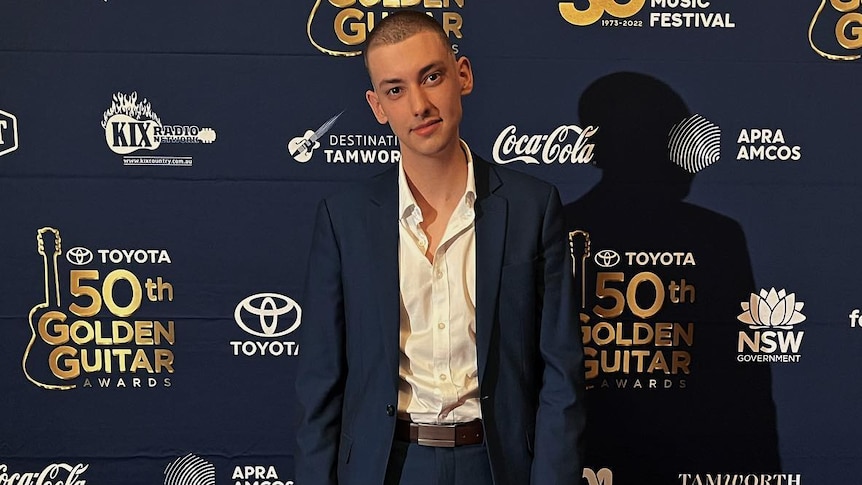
point(412, 464)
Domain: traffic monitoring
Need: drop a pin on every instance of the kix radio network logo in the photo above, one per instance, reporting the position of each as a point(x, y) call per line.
point(339, 27)
point(88, 330)
point(131, 126)
point(835, 31)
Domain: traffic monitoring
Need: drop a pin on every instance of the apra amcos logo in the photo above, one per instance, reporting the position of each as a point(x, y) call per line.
point(340, 27)
point(190, 470)
point(835, 31)
point(694, 143)
point(131, 126)
point(276, 316)
point(766, 144)
point(771, 317)
point(8, 133)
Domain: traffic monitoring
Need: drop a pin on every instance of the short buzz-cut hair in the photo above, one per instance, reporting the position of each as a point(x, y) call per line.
point(399, 26)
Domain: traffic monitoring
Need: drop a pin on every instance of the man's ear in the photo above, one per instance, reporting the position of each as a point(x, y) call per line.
point(374, 103)
point(465, 75)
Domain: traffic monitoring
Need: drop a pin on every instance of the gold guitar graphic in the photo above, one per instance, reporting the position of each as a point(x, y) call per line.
point(579, 246)
point(841, 23)
point(52, 296)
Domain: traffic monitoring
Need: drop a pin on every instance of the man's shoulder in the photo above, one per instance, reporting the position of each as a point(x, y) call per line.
point(515, 182)
point(370, 189)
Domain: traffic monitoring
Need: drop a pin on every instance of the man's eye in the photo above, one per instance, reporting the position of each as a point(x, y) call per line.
point(433, 77)
point(394, 91)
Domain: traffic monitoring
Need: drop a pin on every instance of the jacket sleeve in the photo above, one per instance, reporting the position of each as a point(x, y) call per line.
point(560, 420)
point(322, 369)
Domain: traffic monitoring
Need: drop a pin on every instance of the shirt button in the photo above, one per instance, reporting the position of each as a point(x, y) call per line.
point(442, 377)
point(390, 410)
point(439, 274)
point(441, 325)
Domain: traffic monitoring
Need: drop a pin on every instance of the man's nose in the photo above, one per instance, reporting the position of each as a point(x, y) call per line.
point(419, 102)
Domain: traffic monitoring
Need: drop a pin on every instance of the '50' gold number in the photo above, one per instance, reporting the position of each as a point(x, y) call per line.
point(597, 7)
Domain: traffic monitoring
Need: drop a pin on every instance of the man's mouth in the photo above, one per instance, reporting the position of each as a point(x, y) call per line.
point(426, 128)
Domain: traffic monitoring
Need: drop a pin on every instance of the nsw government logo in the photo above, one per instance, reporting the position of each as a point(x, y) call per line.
point(772, 317)
point(131, 126)
point(268, 316)
point(8, 133)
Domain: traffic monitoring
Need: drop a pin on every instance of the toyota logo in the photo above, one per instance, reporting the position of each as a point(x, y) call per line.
point(607, 258)
point(79, 256)
point(268, 307)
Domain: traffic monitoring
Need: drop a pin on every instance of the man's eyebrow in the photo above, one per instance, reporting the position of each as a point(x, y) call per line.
point(422, 72)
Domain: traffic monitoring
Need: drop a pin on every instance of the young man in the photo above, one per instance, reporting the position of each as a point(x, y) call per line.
point(440, 341)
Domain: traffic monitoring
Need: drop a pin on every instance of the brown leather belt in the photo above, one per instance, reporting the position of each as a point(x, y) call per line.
point(441, 435)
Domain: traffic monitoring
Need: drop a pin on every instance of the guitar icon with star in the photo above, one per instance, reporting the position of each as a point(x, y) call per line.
point(302, 147)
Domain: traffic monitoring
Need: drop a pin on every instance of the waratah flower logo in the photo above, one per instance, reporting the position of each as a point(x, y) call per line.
point(772, 309)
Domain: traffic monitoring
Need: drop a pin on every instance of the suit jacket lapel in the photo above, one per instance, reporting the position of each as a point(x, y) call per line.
point(491, 212)
point(381, 222)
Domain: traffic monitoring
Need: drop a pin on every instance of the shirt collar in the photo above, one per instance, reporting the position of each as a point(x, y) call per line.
point(407, 205)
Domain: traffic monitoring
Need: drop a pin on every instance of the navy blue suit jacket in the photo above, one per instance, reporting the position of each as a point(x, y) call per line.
point(530, 358)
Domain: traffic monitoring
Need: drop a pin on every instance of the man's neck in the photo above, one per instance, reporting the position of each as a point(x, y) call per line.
point(437, 181)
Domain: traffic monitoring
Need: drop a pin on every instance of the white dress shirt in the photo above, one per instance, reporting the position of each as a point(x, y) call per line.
point(438, 368)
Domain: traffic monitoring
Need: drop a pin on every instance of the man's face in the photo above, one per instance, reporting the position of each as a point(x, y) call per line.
point(418, 86)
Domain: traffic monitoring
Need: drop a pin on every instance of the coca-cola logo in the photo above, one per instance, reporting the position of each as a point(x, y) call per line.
point(566, 144)
point(55, 473)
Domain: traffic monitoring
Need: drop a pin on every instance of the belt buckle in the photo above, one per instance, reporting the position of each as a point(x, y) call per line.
point(423, 440)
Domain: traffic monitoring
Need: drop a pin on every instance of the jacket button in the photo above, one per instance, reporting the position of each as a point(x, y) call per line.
point(390, 410)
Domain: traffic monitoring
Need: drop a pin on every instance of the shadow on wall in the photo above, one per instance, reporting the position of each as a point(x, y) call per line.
point(666, 394)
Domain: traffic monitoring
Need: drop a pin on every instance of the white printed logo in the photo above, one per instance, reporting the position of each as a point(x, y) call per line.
point(607, 258)
point(772, 309)
point(566, 144)
point(263, 306)
point(56, 473)
point(302, 147)
point(190, 470)
point(8, 133)
point(694, 143)
point(270, 309)
point(131, 126)
point(79, 256)
point(771, 317)
point(766, 144)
